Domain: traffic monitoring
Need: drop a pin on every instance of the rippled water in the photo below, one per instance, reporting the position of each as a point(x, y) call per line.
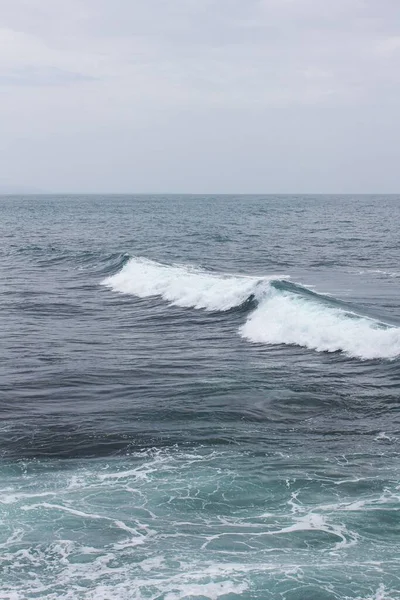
point(200, 398)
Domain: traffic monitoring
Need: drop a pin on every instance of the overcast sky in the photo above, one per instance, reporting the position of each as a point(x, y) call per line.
point(200, 95)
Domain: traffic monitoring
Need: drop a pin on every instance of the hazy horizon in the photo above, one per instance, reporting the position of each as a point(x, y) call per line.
point(200, 96)
point(188, 193)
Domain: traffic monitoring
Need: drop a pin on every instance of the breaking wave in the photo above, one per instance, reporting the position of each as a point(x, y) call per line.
point(284, 313)
point(185, 286)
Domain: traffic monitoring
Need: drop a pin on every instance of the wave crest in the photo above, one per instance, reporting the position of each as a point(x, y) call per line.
point(287, 319)
point(285, 313)
point(184, 286)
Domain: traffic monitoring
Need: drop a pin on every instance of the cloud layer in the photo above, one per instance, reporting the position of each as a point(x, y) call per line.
point(200, 95)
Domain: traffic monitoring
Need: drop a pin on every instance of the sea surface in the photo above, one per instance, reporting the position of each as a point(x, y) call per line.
point(200, 397)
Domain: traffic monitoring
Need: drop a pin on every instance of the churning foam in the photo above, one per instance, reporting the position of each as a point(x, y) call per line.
point(281, 316)
point(284, 318)
point(182, 286)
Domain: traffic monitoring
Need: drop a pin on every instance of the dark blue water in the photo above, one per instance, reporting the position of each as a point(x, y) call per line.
point(200, 398)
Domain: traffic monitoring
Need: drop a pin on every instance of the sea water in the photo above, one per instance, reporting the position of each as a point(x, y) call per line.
point(200, 397)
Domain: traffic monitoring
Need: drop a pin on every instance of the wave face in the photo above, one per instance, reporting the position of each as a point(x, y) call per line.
point(285, 313)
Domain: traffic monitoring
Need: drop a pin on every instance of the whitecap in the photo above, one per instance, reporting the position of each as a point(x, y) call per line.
point(283, 315)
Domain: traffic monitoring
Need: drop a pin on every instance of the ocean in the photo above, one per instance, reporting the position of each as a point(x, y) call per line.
point(200, 397)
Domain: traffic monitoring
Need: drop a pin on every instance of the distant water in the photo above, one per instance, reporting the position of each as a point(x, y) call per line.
point(200, 398)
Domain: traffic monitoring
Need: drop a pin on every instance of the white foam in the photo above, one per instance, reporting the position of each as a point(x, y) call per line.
point(380, 272)
point(210, 590)
point(382, 594)
point(284, 318)
point(11, 498)
point(182, 286)
point(138, 536)
point(317, 522)
point(382, 436)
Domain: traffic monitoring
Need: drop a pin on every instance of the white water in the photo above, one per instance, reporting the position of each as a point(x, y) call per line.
point(284, 318)
point(183, 286)
point(281, 317)
point(74, 548)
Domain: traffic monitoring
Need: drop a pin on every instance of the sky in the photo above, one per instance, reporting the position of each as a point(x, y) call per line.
point(200, 96)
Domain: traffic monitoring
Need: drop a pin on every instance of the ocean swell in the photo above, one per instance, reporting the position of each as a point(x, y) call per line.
point(285, 313)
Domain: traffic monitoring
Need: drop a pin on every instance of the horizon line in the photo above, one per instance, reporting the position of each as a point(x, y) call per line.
point(2, 194)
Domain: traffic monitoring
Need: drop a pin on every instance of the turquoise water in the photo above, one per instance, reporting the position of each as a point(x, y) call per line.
point(200, 398)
